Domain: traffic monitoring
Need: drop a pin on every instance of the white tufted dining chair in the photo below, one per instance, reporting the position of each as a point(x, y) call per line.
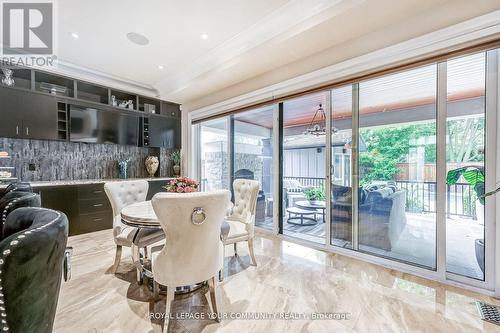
point(193, 250)
point(121, 194)
point(242, 219)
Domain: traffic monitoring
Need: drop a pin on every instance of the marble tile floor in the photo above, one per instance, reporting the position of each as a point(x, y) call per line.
point(289, 279)
point(416, 244)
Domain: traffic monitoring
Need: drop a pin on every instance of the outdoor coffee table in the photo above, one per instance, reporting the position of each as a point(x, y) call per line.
point(313, 206)
point(301, 215)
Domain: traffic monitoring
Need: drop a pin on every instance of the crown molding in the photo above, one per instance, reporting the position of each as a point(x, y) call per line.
point(482, 28)
point(98, 77)
point(286, 21)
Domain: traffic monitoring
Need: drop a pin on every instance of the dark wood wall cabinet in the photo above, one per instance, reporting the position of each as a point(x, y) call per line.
point(27, 115)
point(161, 132)
point(86, 206)
point(38, 107)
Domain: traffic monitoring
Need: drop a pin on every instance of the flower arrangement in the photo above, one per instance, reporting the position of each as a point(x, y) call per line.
point(182, 185)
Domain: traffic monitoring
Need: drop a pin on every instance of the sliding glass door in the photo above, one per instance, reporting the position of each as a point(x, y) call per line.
point(465, 158)
point(341, 177)
point(213, 165)
point(252, 142)
point(363, 166)
point(304, 139)
point(397, 166)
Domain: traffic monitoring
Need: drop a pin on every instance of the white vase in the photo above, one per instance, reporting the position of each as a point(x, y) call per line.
point(151, 164)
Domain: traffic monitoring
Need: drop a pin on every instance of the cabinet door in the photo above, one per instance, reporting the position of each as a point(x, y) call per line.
point(10, 120)
point(176, 125)
point(64, 199)
point(164, 132)
point(170, 109)
point(39, 116)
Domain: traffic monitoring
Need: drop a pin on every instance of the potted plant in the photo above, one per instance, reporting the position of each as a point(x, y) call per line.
point(314, 194)
point(473, 175)
point(175, 157)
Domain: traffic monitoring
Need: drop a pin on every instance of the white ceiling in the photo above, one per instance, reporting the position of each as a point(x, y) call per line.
point(173, 27)
point(246, 38)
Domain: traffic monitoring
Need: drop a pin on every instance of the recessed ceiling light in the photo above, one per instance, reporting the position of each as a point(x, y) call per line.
point(138, 39)
point(75, 35)
point(160, 66)
point(204, 36)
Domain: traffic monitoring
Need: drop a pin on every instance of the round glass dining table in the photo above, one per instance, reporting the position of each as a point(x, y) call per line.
point(141, 215)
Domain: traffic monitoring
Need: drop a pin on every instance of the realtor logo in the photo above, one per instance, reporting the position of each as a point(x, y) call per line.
point(27, 28)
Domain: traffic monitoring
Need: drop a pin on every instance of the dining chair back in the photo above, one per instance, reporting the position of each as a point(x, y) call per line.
point(245, 202)
point(193, 250)
point(121, 194)
point(242, 219)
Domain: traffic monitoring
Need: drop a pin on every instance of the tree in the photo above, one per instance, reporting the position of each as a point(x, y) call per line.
point(465, 136)
point(388, 146)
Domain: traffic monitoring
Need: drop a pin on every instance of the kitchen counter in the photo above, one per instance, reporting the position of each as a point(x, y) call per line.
point(85, 202)
point(86, 181)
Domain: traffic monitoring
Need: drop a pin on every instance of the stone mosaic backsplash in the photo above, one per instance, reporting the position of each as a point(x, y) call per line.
point(61, 160)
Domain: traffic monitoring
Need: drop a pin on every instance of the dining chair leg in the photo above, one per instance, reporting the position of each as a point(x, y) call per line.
point(156, 290)
point(118, 257)
point(235, 249)
point(168, 303)
point(136, 257)
point(250, 250)
point(212, 285)
point(221, 272)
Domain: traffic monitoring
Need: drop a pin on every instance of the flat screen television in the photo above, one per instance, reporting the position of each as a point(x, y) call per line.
point(100, 126)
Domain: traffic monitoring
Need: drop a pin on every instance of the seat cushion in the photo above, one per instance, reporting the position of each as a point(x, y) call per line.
point(145, 237)
point(236, 229)
point(126, 236)
point(149, 237)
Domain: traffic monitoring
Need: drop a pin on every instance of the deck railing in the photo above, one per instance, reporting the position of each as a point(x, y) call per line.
point(308, 181)
point(421, 196)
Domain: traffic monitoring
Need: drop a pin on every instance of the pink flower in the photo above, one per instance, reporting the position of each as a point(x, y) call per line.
point(187, 189)
point(180, 189)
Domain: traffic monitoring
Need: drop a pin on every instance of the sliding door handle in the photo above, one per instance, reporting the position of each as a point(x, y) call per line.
point(17, 130)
